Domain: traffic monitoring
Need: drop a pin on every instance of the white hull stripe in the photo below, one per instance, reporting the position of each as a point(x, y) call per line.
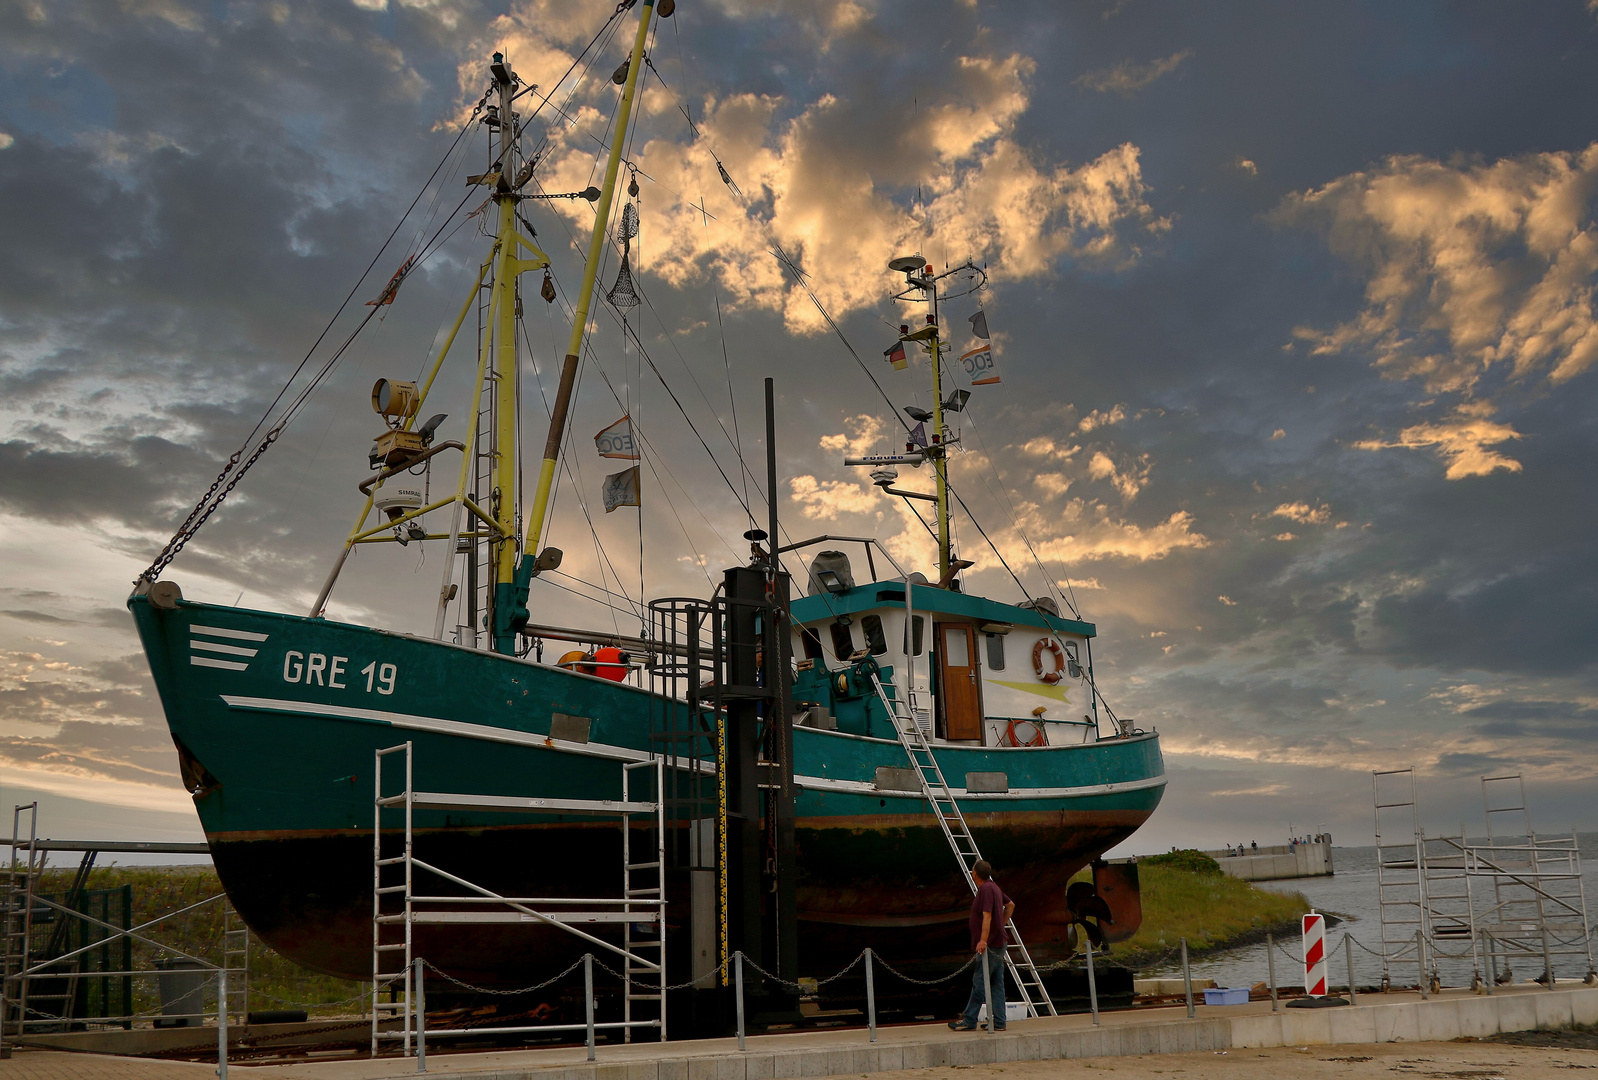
point(623, 753)
point(226, 665)
point(224, 632)
point(226, 650)
point(445, 727)
point(866, 787)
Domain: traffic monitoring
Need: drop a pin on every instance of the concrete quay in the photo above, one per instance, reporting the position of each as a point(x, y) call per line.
point(1279, 862)
point(1377, 1018)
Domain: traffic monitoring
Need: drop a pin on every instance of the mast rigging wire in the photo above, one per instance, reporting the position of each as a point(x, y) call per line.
point(233, 470)
point(801, 277)
point(783, 258)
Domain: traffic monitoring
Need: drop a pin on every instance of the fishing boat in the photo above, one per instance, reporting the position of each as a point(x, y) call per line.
point(899, 678)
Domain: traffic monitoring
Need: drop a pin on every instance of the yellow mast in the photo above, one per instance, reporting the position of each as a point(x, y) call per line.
point(510, 608)
point(940, 462)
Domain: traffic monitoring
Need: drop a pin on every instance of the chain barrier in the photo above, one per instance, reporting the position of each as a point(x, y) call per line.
point(712, 973)
point(499, 993)
point(875, 959)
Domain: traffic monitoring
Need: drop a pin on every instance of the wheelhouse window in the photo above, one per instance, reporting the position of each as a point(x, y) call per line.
point(912, 637)
point(812, 642)
point(842, 640)
point(876, 640)
point(995, 652)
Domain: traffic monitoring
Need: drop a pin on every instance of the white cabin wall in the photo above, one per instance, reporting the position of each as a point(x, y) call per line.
point(1016, 690)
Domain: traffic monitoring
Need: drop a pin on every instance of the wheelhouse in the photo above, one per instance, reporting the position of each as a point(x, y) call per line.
point(996, 674)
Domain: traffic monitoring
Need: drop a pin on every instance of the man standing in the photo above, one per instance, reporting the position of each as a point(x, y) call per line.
point(990, 912)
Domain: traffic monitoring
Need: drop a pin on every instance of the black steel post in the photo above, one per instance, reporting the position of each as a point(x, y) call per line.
point(779, 677)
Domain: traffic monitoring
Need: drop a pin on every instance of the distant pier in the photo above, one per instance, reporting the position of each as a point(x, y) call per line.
point(1311, 857)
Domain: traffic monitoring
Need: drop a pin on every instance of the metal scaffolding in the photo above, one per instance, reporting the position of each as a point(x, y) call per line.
point(68, 958)
point(1516, 896)
point(1537, 907)
point(399, 906)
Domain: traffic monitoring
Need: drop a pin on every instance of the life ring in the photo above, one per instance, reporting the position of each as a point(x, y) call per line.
point(1013, 737)
point(1052, 647)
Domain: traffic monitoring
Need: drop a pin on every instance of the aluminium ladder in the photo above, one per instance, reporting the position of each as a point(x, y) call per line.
point(1023, 972)
point(1400, 870)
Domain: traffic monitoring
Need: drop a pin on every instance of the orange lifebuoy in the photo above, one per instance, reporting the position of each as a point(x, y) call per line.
point(1052, 647)
point(1013, 738)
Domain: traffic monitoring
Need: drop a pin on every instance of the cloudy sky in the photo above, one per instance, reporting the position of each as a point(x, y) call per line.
point(1293, 304)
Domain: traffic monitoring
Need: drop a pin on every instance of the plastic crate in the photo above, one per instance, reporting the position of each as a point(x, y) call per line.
point(1013, 1010)
point(1226, 995)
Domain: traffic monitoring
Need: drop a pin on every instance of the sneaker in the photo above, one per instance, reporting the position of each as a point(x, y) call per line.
point(961, 1025)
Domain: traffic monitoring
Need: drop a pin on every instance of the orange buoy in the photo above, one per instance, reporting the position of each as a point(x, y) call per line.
point(609, 663)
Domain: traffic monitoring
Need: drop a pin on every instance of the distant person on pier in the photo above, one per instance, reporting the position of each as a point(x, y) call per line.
point(990, 913)
point(1255, 844)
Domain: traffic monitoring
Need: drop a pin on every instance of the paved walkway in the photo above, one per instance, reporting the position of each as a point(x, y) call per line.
point(1221, 1031)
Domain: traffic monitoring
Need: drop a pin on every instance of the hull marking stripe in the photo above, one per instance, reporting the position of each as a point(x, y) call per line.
point(222, 631)
point(230, 650)
point(622, 753)
point(866, 787)
point(226, 665)
point(445, 727)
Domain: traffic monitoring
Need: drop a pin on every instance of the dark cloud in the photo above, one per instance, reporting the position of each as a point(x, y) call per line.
point(191, 190)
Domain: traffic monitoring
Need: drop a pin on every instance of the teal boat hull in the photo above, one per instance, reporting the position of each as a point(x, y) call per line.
point(277, 718)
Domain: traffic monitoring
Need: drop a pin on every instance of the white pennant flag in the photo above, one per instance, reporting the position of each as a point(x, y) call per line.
point(616, 441)
point(978, 365)
point(621, 489)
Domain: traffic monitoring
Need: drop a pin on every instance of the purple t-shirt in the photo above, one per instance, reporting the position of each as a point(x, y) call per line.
point(990, 898)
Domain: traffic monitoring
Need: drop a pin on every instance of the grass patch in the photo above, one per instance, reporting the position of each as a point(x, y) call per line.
point(275, 982)
point(1211, 910)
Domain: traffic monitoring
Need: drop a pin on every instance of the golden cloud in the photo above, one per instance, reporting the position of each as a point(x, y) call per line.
point(841, 189)
point(1464, 441)
point(1304, 513)
point(1469, 266)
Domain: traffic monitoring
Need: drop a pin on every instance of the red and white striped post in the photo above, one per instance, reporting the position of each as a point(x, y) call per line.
point(1314, 954)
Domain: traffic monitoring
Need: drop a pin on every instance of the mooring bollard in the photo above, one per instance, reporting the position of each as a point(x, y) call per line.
point(1420, 960)
point(1348, 953)
point(221, 1023)
point(1270, 967)
point(421, 1017)
point(871, 999)
point(1093, 986)
point(987, 989)
point(738, 979)
point(588, 999)
point(1187, 979)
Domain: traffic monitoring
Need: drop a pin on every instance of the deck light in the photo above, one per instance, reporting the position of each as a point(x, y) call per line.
point(832, 582)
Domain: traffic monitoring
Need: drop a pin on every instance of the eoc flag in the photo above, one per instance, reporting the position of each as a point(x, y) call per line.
point(896, 356)
point(979, 367)
point(616, 441)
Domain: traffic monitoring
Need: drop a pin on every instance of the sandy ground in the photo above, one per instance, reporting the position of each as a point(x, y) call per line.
point(1432, 1061)
point(1424, 1061)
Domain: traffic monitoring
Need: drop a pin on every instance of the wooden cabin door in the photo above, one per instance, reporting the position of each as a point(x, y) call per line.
point(957, 679)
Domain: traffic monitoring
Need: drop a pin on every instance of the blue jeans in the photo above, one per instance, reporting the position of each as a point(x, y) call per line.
point(994, 959)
